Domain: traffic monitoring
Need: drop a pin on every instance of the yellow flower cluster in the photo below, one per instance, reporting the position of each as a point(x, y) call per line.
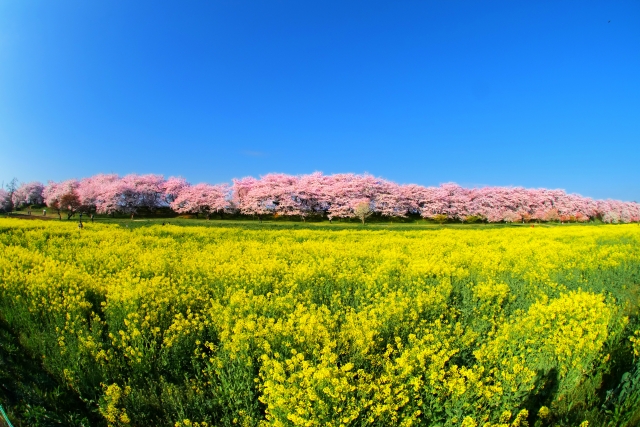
point(635, 340)
point(199, 326)
point(113, 395)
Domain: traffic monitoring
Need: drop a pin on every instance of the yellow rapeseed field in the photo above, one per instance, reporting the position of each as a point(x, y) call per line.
point(206, 326)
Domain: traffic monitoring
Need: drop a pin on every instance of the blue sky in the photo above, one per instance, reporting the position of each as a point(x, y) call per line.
point(535, 94)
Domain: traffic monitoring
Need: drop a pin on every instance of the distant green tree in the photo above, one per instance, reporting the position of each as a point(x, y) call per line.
point(363, 211)
point(440, 218)
point(471, 219)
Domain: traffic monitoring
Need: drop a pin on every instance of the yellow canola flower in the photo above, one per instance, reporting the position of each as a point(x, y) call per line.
point(271, 327)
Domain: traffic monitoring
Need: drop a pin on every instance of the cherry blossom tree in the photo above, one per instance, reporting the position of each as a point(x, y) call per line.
point(172, 188)
point(202, 199)
point(391, 200)
point(336, 196)
point(5, 200)
point(448, 199)
point(346, 191)
point(408, 198)
point(92, 191)
point(28, 194)
point(250, 198)
point(610, 216)
point(278, 192)
point(309, 195)
point(552, 215)
point(62, 196)
point(510, 216)
point(131, 193)
point(340, 195)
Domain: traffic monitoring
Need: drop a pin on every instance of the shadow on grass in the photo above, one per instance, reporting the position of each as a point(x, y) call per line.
point(31, 396)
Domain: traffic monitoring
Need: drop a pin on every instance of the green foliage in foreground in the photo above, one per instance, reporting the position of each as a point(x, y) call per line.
point(33, 397)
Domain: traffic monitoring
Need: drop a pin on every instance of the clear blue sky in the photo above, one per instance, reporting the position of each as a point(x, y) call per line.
point(536, 94)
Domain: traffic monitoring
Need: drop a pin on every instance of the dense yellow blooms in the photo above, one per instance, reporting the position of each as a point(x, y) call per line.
point(201, 326)
point(112, 397)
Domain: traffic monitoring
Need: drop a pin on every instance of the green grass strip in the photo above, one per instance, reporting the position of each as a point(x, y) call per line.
point(4, 415)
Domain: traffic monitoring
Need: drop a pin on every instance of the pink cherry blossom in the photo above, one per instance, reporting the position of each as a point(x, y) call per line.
point(337, 196)
point(5, 201)
point(172, 187)
point(62, 196)
point(202, 199)
point(131, 193)
point(28, 194)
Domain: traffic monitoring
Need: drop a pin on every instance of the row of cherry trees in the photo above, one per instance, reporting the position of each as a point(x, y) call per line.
point(333, 196)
